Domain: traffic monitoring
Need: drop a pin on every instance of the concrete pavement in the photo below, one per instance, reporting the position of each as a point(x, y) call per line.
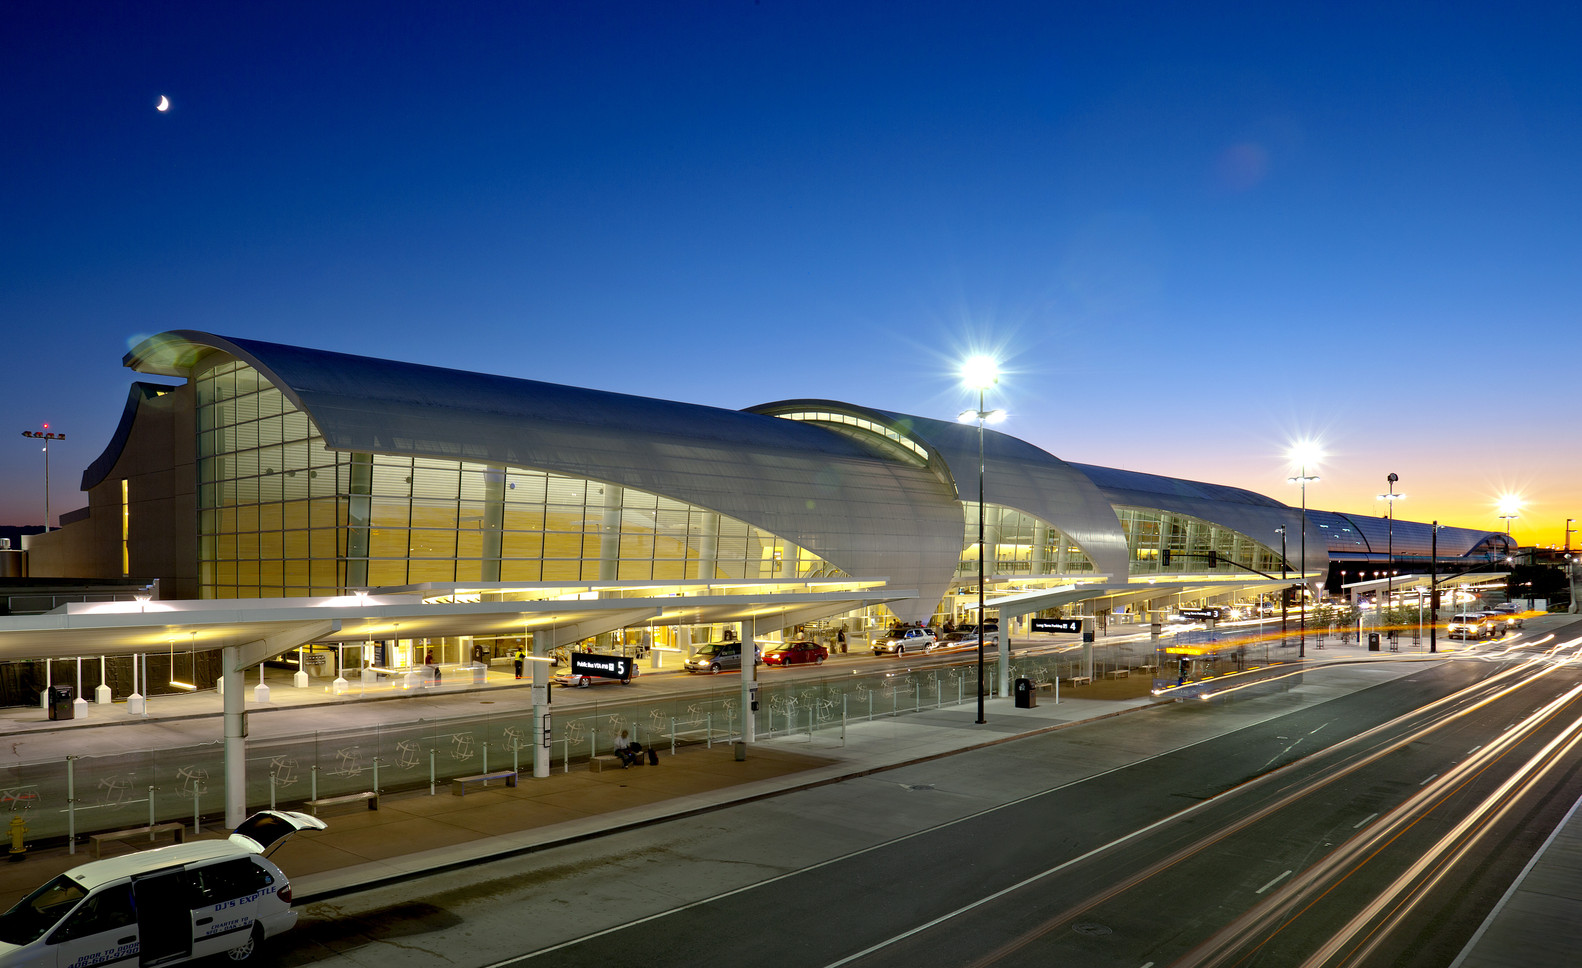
point(414, 833)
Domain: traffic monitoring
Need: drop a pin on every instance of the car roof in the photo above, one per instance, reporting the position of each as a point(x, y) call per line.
point(99, 872)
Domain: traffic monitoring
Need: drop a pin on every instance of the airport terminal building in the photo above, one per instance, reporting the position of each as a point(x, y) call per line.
point(274, 471)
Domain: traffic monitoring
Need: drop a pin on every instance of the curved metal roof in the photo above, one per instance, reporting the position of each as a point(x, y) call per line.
point(1364, 535)
point(1247, 512)
point(846, 503)
point(1016, 475)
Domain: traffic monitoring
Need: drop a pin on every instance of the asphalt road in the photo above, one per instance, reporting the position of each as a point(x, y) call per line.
point(1248, 833)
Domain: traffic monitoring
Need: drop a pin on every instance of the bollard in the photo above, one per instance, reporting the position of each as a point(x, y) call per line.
point(71, 806)
point(313, 783)
point(271, 798)
point(376, 776)
point(431, 771)
point(486, 756)
point(843, 719)
point(18, 835)
point(672, 736)
point(197, 813)
point(708, 725)
point(151, 814)
point(565, 758)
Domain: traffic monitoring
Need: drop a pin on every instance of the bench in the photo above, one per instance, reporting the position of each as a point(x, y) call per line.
point(1118, 673)
point(598, 763)
point(369, 795)
point(1050, 685)
point(1078, 680)
point(1148, 667)
point(458, 786)
point(158, 828)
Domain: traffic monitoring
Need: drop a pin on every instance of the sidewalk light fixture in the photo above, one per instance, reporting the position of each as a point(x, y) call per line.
point(980, 373)
point(1302, 454)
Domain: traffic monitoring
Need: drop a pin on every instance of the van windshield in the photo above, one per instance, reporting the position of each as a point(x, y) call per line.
point(38, 912)
point(710, 649)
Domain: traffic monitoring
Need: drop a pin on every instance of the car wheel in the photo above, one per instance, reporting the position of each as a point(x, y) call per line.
point(584, 682)
point(627, 681)
point(900, 650)
point(818, 661)
point(715, 667)
point(244, 951)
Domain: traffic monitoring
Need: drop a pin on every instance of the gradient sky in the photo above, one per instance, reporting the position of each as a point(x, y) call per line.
point(1193, 233)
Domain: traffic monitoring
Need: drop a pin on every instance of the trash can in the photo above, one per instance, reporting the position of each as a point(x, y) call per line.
point(1026, 694)
point(1373, 641)
point(60, 703)
point(1087, 636)
point(479, 673)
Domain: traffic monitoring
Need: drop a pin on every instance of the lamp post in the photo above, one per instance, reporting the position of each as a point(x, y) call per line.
point(1303, 478)
point(1283, 589)
point(980, 373)
point(1508, 518)
point(1571, 580)
point(45, 436)
point(1389, 573)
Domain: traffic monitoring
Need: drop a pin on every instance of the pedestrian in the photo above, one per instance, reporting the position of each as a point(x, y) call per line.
point(840, 639)
point(518, 659)
point(623, 749)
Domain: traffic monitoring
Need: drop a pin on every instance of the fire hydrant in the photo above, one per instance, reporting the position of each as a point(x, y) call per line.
point(18, 831)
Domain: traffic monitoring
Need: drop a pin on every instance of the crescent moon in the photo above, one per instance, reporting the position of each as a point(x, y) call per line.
point(163, 105)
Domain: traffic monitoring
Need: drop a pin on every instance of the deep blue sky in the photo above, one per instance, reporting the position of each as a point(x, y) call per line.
point(1195, 233)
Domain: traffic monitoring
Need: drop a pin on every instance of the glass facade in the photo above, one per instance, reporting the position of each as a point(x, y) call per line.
point(1021, 546)
point(280, 514)
point(1189, 540)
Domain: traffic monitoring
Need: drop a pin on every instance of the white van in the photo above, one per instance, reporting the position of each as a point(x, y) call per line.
point(162, 906)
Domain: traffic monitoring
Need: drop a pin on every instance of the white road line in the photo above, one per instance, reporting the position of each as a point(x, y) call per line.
point(1473, 750)
point(1316, 730)
point(1273, 883)
point(1425, 782)
point(1364, 820)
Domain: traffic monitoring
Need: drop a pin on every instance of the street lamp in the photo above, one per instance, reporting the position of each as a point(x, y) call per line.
point(979, 373)
point(1283, 589)
point(45, 436)
point(1302, 454)
point(1389, 574)
point(1509, 505)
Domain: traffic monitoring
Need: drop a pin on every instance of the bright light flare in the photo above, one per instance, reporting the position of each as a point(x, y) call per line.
point(980, 372)
point(1509, 504)
point(1305, 453)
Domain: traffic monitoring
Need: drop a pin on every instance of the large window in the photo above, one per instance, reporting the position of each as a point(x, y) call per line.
point(1189, 540)
point(281, 514)
point(1020, 545)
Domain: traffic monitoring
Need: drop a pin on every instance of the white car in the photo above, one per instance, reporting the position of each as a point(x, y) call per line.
point(162, 906)
point(1469, 625)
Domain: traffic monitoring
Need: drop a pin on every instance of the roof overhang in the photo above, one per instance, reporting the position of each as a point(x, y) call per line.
point(124, 628)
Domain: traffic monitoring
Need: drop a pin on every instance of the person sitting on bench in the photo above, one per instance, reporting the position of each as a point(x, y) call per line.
point(628, 749)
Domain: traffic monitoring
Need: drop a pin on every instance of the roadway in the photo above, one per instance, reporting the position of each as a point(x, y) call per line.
point(1368, 817)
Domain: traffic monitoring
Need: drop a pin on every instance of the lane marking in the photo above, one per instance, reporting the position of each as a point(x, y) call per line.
point(1273, 883)
point(1425, 782)
point(1364, 820)
point(1473, 750)
point(1316, 730)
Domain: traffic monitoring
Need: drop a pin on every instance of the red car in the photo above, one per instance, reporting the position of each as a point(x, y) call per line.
point(793, 653)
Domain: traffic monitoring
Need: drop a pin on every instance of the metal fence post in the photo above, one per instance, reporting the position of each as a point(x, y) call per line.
point(71, 806)
point(431, 771)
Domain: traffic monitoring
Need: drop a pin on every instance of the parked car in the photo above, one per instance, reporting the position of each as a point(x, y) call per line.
point(912, 639)
point(161, 906)
point(716, 657)
point(569, 678)
point(1469, 625)
point(796, 653)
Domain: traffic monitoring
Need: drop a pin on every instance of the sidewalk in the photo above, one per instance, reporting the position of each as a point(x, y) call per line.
point(415, 833)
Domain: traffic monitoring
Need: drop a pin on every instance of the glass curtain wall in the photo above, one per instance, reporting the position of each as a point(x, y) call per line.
point(1020, 546)
point(280, 514)
point(1189, 540)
